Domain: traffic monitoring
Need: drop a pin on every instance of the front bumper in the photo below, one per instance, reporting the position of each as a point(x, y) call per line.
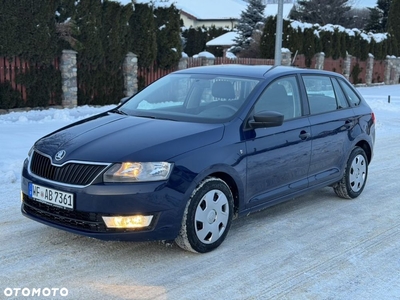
point(165, 204)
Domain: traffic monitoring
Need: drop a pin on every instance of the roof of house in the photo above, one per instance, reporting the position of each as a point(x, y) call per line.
point(216, 10)
point(227, 39)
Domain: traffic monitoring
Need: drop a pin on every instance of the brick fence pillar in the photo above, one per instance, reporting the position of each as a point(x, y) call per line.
point(347, 66)
point(69, 82)
point(130, 70)
point(286, 57)
point(370, 69)
point(207, 61)
point(183, 63)
point(319, 61)
point(396, 77)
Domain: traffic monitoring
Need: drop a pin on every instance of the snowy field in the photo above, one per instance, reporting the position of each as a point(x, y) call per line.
point(314, 247)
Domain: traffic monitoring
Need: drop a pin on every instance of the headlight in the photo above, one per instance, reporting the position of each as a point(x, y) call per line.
point(138, 172)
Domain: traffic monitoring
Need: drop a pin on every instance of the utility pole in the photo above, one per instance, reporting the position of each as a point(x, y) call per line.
point(278, 36)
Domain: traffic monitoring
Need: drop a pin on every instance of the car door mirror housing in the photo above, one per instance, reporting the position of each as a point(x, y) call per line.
point(266, 119)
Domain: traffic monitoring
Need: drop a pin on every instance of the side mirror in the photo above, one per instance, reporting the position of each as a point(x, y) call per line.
point(265, 119)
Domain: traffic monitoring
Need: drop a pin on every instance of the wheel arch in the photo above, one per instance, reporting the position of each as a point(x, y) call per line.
point(367, 149)
point(230, 181)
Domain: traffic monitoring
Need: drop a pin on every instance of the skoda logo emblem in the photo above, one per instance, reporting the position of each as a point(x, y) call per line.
point(60, 155)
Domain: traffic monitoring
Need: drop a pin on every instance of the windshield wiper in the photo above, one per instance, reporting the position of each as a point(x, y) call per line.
point(154, 117)
point(120, 112)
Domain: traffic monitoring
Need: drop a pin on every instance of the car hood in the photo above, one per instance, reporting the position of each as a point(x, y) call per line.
point(111, 137)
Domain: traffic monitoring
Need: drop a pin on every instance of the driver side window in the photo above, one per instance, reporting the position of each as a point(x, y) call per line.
point(281, 96)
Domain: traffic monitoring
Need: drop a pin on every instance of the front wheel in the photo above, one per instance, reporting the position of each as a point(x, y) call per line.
point(207, 217)
point(355, 175)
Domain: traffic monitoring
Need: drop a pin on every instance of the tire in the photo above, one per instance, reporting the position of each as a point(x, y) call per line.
point(207, 217)
point(355, 176)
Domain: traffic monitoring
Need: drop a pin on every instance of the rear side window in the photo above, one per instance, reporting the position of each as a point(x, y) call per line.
point(350, 93)
point(340, 96)
point(323, 95)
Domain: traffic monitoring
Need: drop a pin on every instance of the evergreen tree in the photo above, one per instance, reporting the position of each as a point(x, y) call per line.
point(143, 35)
point(321, 11)
point(168, 37)
point(326, 43)
point(309, 45)
point(249, 21)
point(379, 16)
point(394, 26)
point(103, 40)
point(28, 31)
point(268, 38)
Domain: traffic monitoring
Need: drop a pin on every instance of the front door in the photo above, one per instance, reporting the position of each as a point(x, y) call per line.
point(278, 157)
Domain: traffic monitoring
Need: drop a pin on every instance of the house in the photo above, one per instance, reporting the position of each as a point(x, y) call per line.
point(218, 13)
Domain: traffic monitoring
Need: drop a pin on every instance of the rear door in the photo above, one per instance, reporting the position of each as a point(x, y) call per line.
point(331, 119)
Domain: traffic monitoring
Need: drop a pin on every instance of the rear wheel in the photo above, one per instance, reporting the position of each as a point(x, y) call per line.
point(207, 217)
point(355, 176)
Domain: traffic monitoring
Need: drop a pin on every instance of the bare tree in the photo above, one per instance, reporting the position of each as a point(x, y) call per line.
point(320, 11)
point(356, 18)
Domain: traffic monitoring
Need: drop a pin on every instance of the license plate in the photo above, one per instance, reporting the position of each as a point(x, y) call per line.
point(51, 196)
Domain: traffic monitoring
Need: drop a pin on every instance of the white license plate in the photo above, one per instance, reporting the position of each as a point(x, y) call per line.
point(51, 196)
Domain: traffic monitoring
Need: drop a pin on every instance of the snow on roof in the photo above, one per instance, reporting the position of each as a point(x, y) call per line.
point(216, 10)
point(227, 39)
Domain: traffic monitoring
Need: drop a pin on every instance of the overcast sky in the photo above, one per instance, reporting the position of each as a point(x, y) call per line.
point(364, 3)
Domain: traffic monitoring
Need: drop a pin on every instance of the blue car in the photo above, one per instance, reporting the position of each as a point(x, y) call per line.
point(199, 147)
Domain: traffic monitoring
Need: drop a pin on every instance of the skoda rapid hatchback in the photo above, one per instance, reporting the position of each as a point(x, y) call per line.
point(197, 148)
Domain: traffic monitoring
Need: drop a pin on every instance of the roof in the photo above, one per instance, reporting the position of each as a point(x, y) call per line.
point(231, 69)
point(216, 10)
point(227, 39)
point(254, 71)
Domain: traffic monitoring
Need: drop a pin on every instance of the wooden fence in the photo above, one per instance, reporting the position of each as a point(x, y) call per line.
point(243, 61)
point(11, 67)
point(147, 76)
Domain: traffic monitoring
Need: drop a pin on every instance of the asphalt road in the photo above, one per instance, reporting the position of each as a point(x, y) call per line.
point(314, 247)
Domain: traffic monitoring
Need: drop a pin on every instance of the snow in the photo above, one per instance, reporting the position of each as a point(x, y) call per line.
point(204, 54)
point(314, 247)
point(227, 39)
point(230, 55)
point(378, 37)
point(211, 9)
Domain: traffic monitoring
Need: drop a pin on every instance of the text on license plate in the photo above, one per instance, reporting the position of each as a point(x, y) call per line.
point(51, 196)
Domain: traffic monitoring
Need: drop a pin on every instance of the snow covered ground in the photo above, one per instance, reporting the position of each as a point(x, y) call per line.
point(314, 247)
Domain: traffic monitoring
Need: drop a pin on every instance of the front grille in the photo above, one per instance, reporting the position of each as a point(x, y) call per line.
point(70, 173)
point(91, 222)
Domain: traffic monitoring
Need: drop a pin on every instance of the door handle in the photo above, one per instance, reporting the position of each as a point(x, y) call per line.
point(304, 135)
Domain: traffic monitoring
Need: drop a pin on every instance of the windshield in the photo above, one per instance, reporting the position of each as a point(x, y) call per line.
point(191, 97)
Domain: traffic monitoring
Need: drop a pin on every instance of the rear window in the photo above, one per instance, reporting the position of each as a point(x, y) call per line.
point(350, 93)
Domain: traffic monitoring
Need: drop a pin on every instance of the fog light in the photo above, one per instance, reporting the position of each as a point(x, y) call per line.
point(137, 221)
